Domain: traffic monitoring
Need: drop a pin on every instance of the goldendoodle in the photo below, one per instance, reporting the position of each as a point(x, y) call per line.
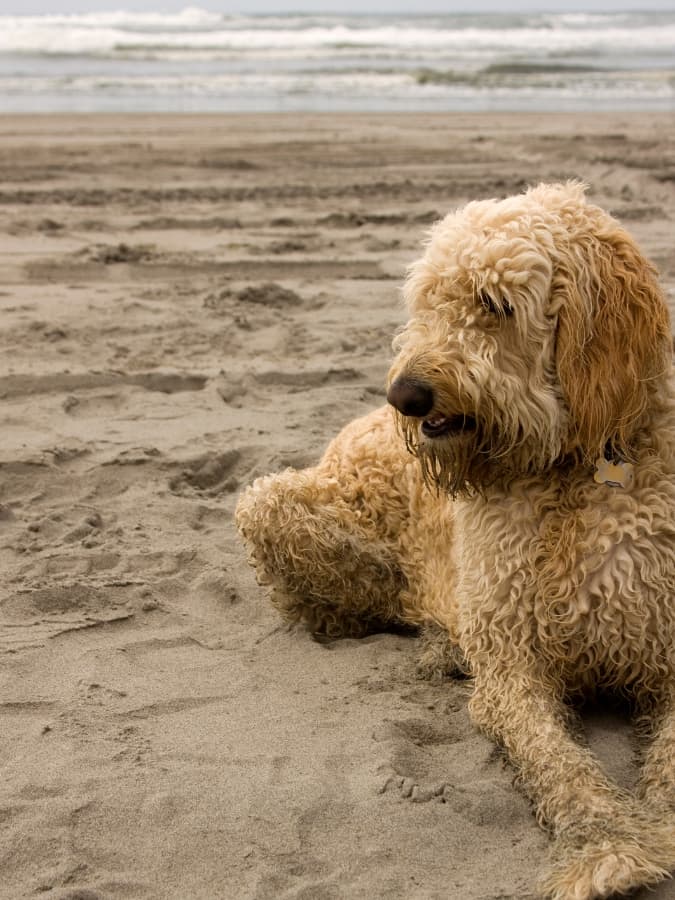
point(519, 494)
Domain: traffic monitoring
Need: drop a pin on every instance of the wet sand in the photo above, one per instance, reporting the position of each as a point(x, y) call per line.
point(187, 303)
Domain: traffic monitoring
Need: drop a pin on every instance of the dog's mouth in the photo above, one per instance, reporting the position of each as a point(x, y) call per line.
point(447, 426)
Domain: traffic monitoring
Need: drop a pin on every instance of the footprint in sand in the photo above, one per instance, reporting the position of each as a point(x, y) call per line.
point(32, 617)
point(268, 294)
point(208, 475)
point(118, 253)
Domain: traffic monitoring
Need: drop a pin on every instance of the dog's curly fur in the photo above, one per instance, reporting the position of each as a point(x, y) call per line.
point(540, 341)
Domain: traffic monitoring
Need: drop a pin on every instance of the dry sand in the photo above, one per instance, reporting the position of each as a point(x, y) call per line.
point(188, 303)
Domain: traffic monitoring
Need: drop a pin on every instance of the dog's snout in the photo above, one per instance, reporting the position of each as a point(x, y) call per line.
point(410, 397)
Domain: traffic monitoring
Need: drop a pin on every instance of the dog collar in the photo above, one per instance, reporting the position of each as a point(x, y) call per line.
point(621, 474)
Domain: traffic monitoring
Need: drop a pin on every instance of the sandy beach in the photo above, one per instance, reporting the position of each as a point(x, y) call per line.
point(188, 303)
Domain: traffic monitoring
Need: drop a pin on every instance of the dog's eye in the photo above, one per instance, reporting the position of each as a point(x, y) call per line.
point(499, 307)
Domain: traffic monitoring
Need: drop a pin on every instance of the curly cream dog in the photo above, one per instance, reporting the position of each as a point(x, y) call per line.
point(521, 495)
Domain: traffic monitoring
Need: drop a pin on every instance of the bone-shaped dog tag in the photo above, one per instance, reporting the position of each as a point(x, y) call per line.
point(620, 474)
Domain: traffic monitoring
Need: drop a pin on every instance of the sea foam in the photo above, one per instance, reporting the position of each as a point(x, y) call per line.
point(376, 62)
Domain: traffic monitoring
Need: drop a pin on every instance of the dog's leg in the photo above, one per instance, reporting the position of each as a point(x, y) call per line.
point(357, 542)
point(325, 566)
point(604, 844)
point(440, 655)
point(327, 540)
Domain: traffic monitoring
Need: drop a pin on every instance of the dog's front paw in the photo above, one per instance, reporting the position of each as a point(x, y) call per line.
point(611, 866)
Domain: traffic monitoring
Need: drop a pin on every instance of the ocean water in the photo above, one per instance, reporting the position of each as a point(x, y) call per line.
point(201, 61)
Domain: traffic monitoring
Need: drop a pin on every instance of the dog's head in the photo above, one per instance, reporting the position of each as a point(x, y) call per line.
point(538, 331)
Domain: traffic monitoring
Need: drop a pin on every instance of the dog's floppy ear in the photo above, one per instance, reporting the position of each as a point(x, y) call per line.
point(613, 340)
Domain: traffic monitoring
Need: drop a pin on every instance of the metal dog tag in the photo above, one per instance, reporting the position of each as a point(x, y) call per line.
point(620, 474)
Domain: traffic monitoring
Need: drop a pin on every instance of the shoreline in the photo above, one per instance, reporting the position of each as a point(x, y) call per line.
point(367, 116)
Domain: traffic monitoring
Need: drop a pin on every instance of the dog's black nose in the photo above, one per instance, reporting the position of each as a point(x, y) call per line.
point(410, 397)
